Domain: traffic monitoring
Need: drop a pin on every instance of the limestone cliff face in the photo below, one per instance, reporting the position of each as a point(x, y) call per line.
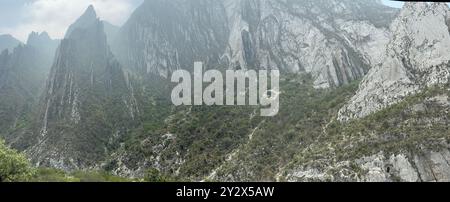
point(162, 36)
point(86, 100)
point(429, 166)
point(417, 57)
point(23, 72)
point(337, 42)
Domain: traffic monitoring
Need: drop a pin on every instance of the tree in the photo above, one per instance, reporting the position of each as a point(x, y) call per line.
point(153, 175)
point(14, 166)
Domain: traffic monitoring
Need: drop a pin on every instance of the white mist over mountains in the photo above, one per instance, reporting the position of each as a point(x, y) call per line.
point(21, 17)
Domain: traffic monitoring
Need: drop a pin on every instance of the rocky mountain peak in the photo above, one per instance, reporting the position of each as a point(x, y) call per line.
point(23, 72)
point(90, 11)
point(89, 15)
point(38, 39)
point(415, 58)
point(83, 75)
point(88, 18)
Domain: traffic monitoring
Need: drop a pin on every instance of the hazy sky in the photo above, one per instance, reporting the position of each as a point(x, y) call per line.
point(393, 3)
point(20, 17)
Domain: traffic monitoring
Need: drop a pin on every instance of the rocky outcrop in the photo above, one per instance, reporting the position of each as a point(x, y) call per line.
point(29, 63)
point(337, 42)
point(162, 36)
point(417, 57)
point(23, 72)
point(429, 166)
point(86, 102)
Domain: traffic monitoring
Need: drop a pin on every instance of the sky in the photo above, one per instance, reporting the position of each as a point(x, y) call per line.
point(21, 17)
point(395, 4)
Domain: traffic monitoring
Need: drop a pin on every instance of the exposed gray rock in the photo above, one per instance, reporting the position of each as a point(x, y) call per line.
point(86, 20)
point(23, 72)
point(162, 36)
point(8, 42)
point(427, 167)
point(417, 57)
point(336, 41)
point(86, 101)
point(111, 31)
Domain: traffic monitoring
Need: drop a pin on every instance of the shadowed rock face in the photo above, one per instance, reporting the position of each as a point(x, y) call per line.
point(336, 41)
point(417, 57)
point(85, 102)
point(8, 42)
point(23, 72)
point(162, 36)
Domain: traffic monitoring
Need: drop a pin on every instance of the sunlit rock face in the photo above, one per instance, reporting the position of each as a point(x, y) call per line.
point(416, 57)
point(336, 41)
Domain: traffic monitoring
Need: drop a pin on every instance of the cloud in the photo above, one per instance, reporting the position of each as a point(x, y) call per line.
point(55, 16)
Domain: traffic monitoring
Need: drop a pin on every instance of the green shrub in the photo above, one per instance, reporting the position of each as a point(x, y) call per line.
point(14, 166)
point(153, 175)
point(55, 175)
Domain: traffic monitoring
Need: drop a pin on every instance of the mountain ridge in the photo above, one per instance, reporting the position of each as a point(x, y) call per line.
point(106, 103)
point(256, 34)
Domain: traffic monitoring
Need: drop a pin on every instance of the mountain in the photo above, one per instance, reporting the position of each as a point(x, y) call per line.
point(415, 58)
point(8, 42)
point(406, 141)
point(85, 104)
point(110, 31)
point(23, 73)
point(97, 112)
point(336, 41)
point(107, 106)
point(162, 36)
point(395, 128)
point(88, 18)
point(43, 41)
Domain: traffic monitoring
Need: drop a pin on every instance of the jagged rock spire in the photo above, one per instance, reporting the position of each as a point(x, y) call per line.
point(88, 18)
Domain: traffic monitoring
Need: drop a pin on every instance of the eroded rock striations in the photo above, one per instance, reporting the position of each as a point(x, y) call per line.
point(417, 57)
point(336, 41)
point(23, 72)
point(86, 102)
